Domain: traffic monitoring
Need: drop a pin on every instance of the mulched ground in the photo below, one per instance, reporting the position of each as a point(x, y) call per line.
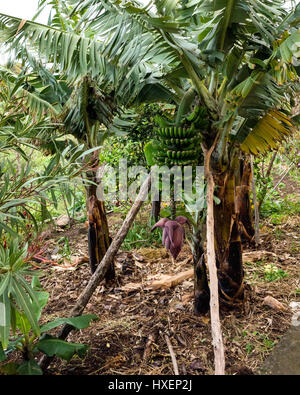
point(130, 335)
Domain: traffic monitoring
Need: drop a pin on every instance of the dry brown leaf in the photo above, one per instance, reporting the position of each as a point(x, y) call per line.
point(197, 364)
point(273, 303)
point(205, 320)
point(130, 287)
point(138, 257)
point(168, 281)
point(78, 260)
point(253, 256)
point(22, 23)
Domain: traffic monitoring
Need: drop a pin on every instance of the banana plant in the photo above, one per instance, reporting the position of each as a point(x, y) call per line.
point(84, 105)
point(54, 110)
point(239, 57)
point(24, 193)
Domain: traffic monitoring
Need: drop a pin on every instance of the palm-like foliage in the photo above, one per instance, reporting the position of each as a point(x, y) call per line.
point(121, 53)
point(23, 191)
point(14, 290)
point(239, 57)
point(248, 47)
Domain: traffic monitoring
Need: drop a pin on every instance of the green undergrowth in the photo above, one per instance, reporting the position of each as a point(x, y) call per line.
point(278, 210)
point(140, 235)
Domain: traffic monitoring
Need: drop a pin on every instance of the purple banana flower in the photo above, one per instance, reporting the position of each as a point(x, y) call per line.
point(183, 220)
point(173, 233)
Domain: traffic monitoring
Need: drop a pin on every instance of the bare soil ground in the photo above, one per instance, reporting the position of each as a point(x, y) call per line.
point(127, 320)
point(129, 336)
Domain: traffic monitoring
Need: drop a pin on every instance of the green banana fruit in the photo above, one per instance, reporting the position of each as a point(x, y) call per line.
point(194, 114)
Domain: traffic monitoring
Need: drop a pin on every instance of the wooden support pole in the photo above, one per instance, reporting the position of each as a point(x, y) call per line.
point(216, 330)
point(213, 283)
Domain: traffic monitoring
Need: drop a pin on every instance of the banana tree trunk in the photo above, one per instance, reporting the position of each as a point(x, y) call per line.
point(201, 288)
point(232, 218)
point(98, 233)
point(243, 205)
point(228, 245)
point(91, 175)
point(155, 210)
point(98, 236)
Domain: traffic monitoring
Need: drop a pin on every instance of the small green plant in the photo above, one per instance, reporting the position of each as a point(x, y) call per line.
point(294, 247)
point(268, 344)
point(21, 306)
point(140, 236)
point(249, 348)
point(78, 203)
point(122, 207)
point(273, 273)
point(65, 249)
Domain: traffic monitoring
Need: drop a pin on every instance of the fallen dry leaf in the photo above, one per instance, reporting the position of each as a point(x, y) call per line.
point(130, 287)
point(273, 303)
point(205, 320)
point(253, 256)
point(168, 281)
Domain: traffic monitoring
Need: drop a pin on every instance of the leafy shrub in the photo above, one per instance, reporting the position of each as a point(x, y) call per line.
point(22, 305)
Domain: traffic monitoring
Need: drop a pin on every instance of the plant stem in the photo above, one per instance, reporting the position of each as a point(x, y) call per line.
point(65, 205)
point(256, 212)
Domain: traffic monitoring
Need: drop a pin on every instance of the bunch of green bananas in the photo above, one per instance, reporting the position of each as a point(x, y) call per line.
point(176, 132)
point(177, 146)
point(180, 145)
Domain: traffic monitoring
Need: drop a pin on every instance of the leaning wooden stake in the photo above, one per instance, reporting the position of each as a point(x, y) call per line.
point(211, 263)
point(99, 274)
